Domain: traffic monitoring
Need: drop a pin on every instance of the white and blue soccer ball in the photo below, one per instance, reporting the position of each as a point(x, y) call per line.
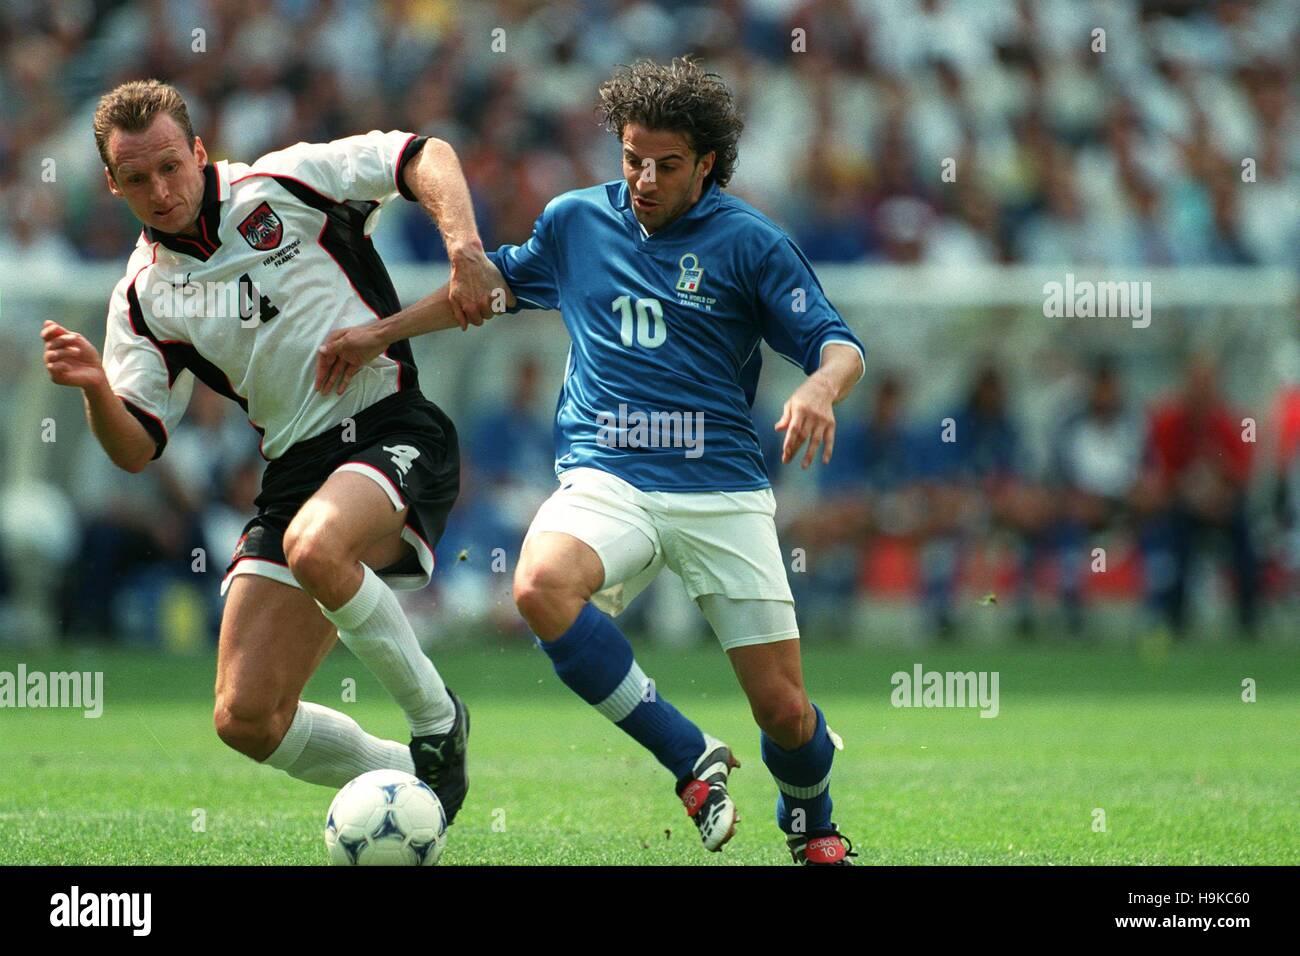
point(385, 818)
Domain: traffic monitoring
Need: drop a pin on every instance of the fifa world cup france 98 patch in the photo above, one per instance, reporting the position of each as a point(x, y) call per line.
point(688, 284)
point(262, 228)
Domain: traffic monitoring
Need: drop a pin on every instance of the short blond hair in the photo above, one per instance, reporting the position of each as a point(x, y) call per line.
point(132, 108)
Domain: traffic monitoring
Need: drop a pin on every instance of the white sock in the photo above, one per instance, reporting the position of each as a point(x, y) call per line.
point(327, 747)
point(374, 628)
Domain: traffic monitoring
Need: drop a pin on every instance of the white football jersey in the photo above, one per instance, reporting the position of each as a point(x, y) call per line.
point(283, 257)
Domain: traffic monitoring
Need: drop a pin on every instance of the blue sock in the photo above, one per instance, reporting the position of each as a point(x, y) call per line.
point(595, 660)
point(803, 780)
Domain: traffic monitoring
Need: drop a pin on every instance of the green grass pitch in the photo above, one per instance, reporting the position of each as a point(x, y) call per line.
point(1184, 770)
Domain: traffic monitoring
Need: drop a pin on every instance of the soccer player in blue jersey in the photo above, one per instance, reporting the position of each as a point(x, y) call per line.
point(667, 286)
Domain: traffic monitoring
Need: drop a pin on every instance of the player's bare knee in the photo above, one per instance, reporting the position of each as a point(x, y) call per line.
point(782, 715)
point(532, 585)
point(547, 596)
point(252, 729)
point(312, 556)
point(532, 591)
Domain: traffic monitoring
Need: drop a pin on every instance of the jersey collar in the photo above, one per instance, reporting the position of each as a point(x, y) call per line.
point(704, 206)
point(216, 187)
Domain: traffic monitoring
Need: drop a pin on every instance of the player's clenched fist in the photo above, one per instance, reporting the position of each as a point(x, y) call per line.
point(474, 283)
point(70, 358)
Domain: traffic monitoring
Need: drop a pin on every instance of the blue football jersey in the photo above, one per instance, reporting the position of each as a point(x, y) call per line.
point(664, 331)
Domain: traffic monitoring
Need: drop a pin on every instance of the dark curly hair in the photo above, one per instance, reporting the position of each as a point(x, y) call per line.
point(680, 97)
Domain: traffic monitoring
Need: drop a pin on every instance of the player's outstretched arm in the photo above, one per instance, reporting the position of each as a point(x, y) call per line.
point(436, 180)
point(809, 414)
point(347, 350)
point(71, 360)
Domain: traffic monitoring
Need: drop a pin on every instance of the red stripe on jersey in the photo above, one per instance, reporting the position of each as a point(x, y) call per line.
point(130, 318)
point(204, 226)
point(320, 235)
point(292, 179)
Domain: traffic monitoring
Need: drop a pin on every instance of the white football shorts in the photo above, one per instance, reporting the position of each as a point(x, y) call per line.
point(722, 544)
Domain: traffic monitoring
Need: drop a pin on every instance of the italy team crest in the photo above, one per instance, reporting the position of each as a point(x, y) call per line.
point(263, 228)
point(692, 275)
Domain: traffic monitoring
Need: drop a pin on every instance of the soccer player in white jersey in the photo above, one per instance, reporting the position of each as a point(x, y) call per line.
point(667, 286)
point(239, 275)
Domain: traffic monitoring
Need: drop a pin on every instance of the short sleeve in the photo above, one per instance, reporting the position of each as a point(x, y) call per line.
point(137, 372)
point(798, 321)
point(531, 270)
point(367, 166)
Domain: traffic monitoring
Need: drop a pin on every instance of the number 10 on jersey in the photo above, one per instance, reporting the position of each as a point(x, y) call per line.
point(649, 329)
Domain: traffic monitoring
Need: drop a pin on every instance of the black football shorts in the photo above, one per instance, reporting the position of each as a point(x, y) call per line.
point(404, 442)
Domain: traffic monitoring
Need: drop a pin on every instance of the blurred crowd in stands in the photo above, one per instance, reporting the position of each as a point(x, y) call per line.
point(947, 132)
point(1128, 503)
point(1061, 144)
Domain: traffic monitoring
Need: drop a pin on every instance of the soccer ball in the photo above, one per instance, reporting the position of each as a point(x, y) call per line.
point(385, 818)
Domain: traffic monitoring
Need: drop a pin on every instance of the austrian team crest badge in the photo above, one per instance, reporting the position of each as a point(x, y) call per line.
point(692, 275)
point(263, 228)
